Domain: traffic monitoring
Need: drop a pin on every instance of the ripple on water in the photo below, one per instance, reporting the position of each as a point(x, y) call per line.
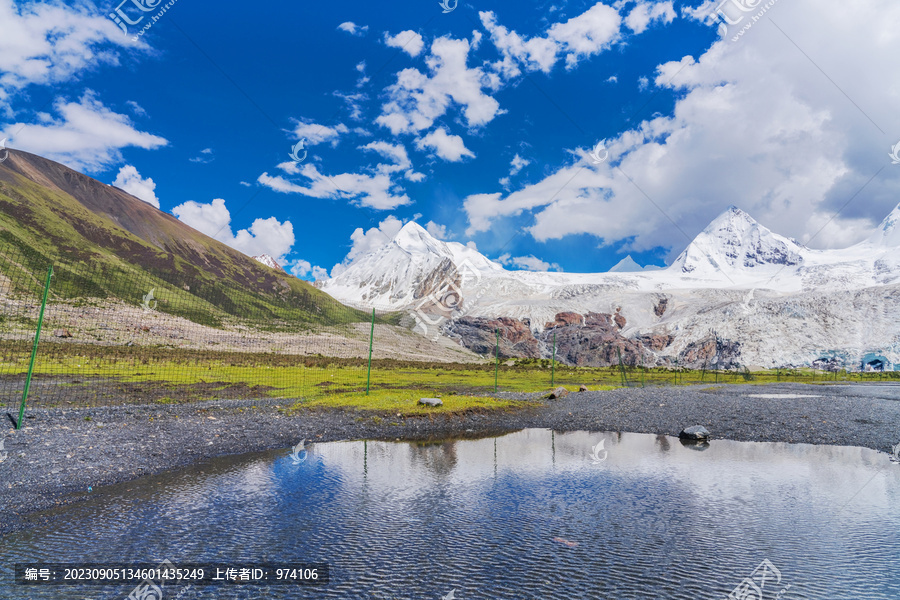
point(526, 515)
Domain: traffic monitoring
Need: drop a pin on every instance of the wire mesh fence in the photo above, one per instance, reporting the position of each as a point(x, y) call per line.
point(116, 335)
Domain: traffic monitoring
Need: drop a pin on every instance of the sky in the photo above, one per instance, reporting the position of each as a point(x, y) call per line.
point(551, 135)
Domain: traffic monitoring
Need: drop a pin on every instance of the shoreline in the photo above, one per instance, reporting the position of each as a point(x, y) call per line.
point(60, 453)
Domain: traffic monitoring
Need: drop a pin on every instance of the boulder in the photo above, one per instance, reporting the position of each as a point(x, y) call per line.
point(558, 393)
point(431, 401)
point(583, 388)
point(695, 432)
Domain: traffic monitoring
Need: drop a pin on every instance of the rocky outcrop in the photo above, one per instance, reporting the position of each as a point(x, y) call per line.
point(565, 318)
point(660, 309)
point(479, 335)
point(590, 340)
point(711, 353)
point(655, 341)
point(593, 341)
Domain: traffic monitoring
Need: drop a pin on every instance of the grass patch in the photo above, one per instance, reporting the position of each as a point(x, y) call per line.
point(98, 375)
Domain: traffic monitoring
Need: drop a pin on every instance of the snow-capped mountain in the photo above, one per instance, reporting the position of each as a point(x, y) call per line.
point(629, 265)
point(734, 242)
point(778, 300)
point(268, 261)
point(406, 269)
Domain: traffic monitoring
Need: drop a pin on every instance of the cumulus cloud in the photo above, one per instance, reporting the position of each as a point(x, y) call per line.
point(774, 137)
point(447, 146)
point(528, 263)
point(417, 99)
point(363, 242)
point(352, 28)
point(396, 153)
point(264, 236)
point(85, 136)
point(582, 36)
point(438, 231)
point(409, 41)
point(50, 42)
point(517, 164)
point(131, 181)
point(315, 133)
point(303, 269)
point(371, 190)
point(646, 13)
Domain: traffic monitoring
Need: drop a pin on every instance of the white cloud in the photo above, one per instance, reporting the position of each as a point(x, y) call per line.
point(374, 191)
point(612, 79)
point(645, 13)
point(315, 134)
point(528, 263)
point(303, 268)
point(205, 157)
point(417, 99)
point(354, 104)
point(86, 136)
point(438, 231)
point(264, 236)
point(517, 164)
point(131, 181)
point(353, 29)
point(363, 242)
point(580, 37)
point(774, 137)
point(447, 146)
point(136, 108)
point(409, 41)
point(49, 42)
point(393, 152)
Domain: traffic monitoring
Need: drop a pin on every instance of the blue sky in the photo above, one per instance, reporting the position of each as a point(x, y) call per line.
point(478, 123)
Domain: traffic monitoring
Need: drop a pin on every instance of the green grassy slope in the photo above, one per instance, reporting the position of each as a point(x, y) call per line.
point(106, 244)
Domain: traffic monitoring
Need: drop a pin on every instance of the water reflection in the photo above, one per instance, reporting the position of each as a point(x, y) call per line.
point(526, 515)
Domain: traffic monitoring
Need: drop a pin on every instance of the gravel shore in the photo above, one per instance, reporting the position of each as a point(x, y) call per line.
point(60, 453)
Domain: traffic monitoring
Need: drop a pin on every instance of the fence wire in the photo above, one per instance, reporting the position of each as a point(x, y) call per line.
point(117, 335)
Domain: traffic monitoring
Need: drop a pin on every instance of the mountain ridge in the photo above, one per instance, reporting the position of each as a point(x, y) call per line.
point(92, 230)
point(735, 271)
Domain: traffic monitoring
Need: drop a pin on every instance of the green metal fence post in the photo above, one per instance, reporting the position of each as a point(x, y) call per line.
point(34, 348)
point(621, 367)
point(553, 362)
point(497, 361)
point(371, 339)
point(642, 370)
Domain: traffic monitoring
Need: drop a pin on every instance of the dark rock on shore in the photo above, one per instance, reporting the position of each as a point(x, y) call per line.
point(695, 432)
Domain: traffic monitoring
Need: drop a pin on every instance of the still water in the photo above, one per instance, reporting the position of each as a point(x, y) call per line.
point(529, 515)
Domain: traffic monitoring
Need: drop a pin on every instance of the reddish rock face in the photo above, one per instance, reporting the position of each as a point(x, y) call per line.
point(700, 354)
point(656, 342)
point(620, 320)
point(589, 340)
point(479, 335)
point(565, 318)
